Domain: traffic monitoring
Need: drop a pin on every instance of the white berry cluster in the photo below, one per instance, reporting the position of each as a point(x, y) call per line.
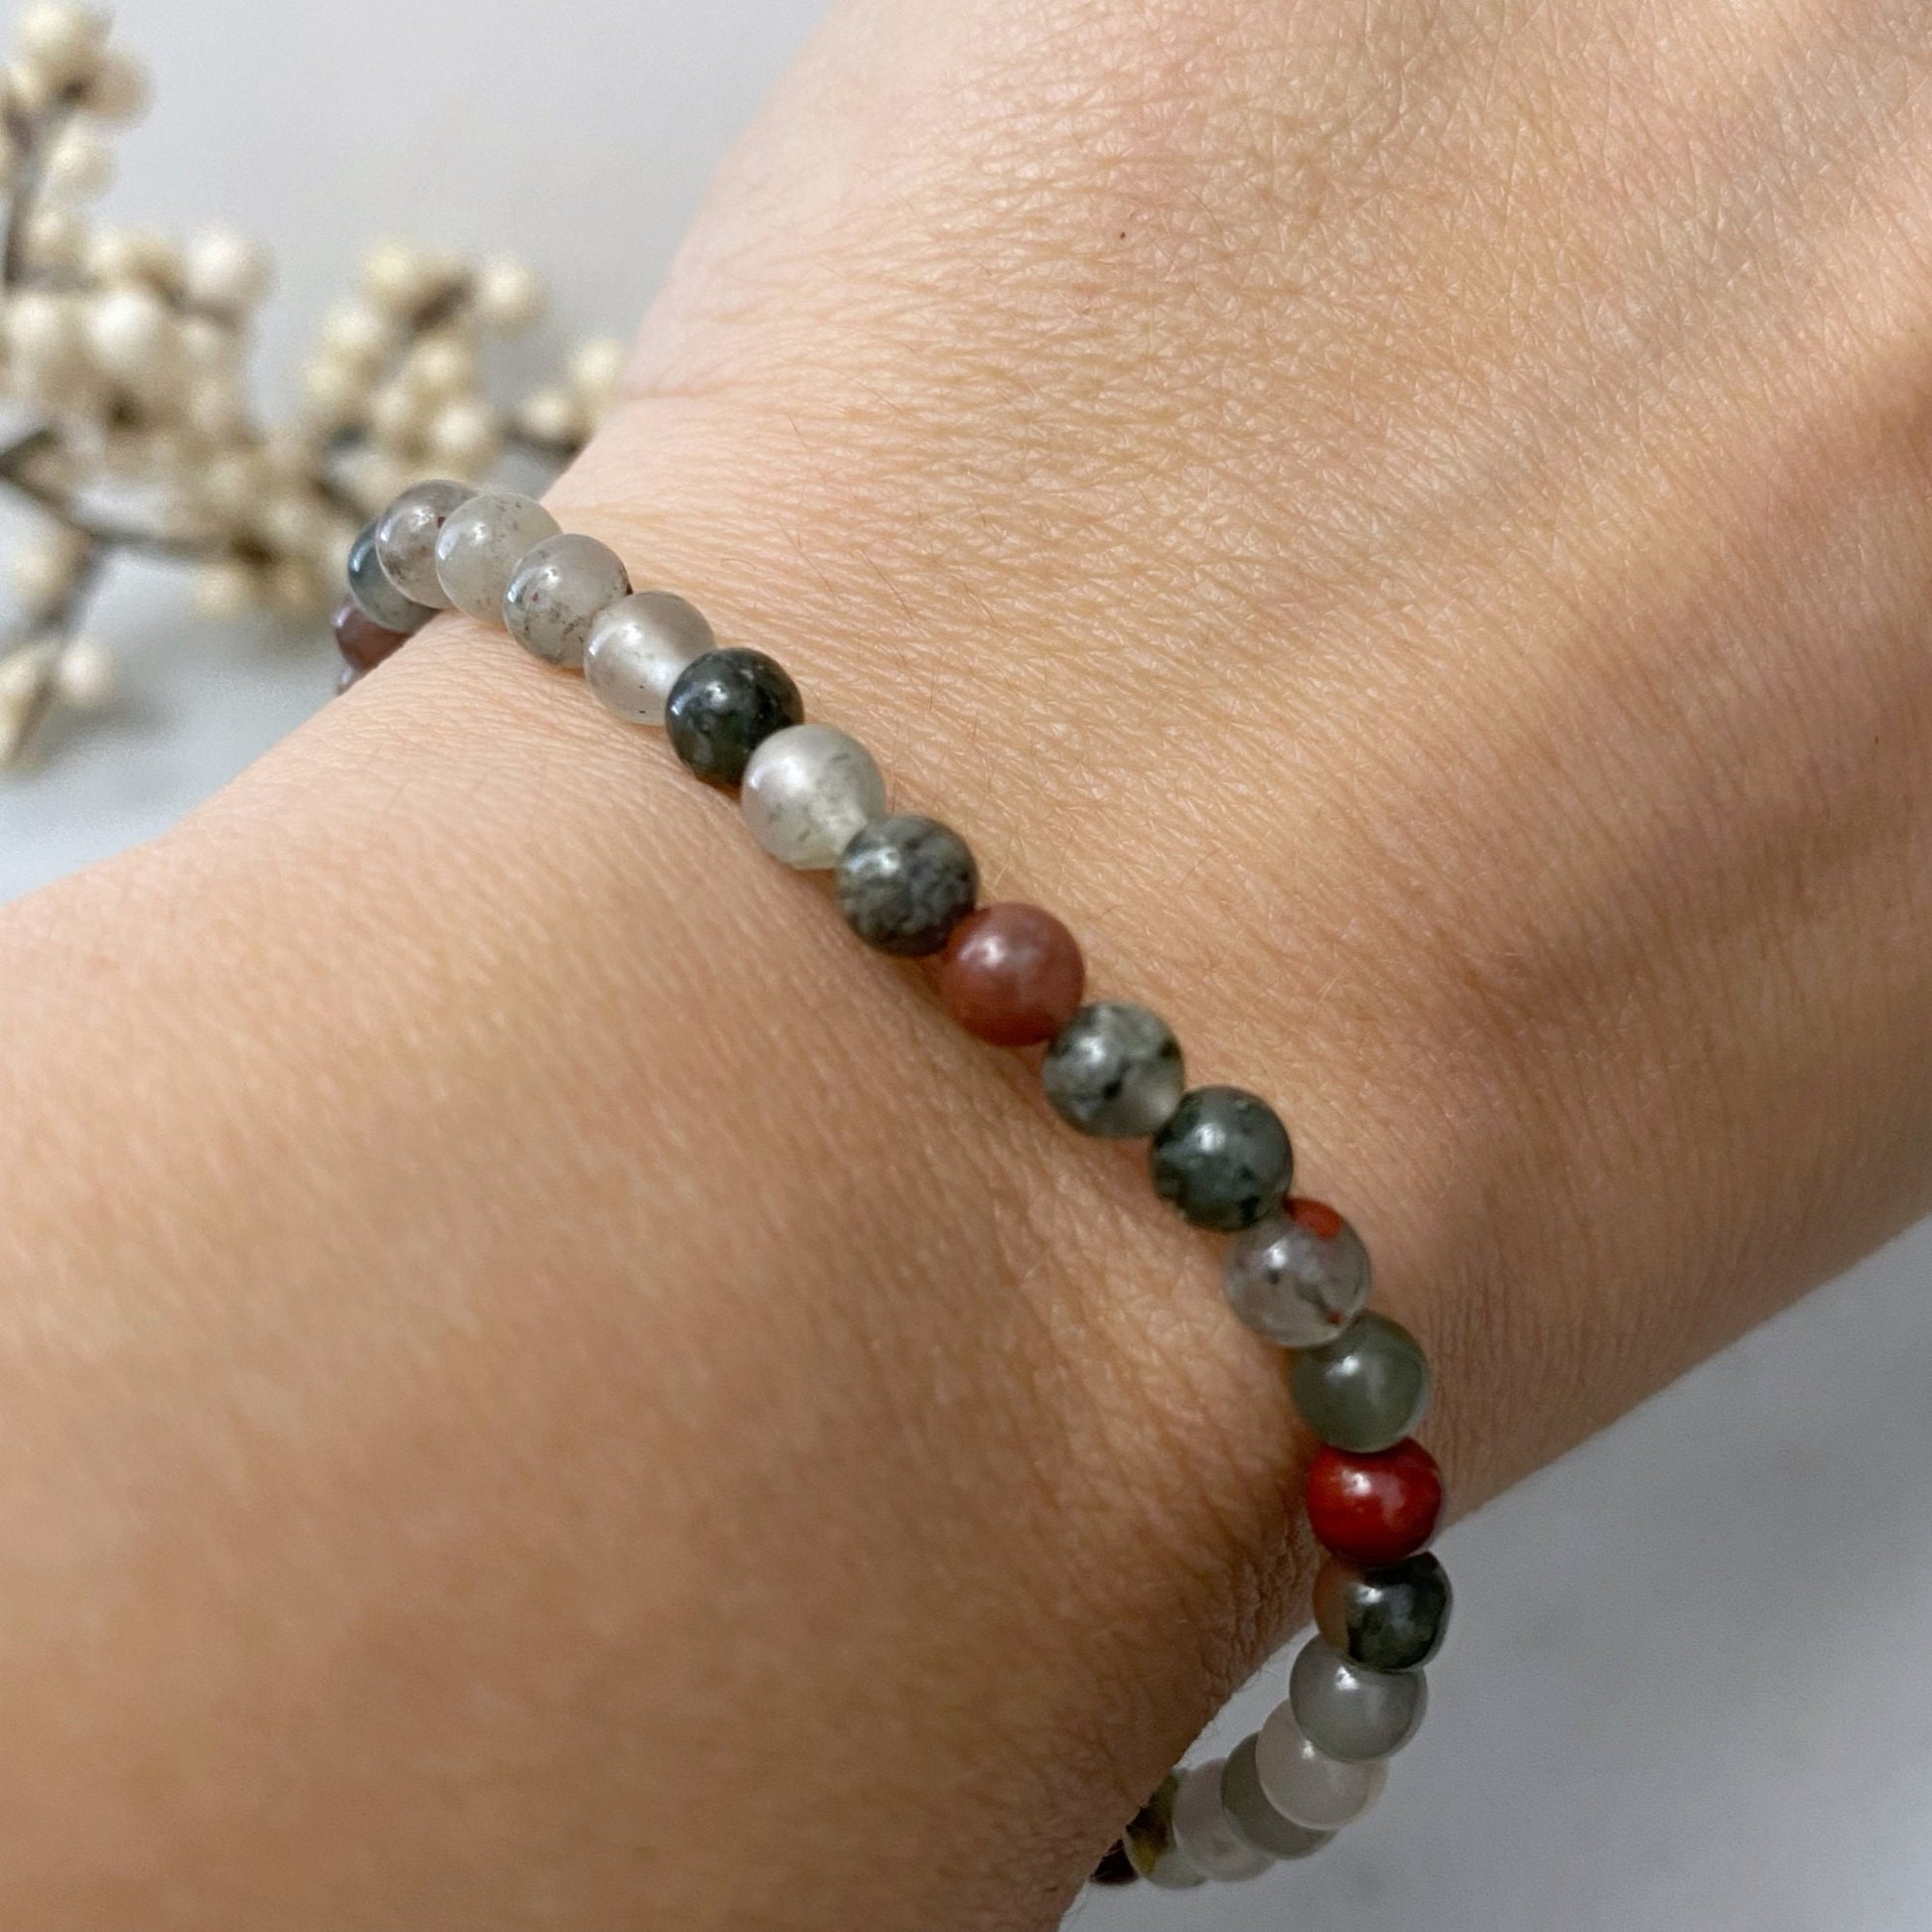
point(124, 353)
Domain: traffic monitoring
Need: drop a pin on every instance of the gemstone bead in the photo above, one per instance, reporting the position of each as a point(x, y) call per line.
point(724, 705)
point(1312, 1790)
point(480, 544)
point(1351, 1714)
point(1201, 1829)
point(1391, 1618)
point(1222, 1158)
point(904, 883)
point(1298, 1276)
point(1012, 974)
point(1115, 1867)
point(1374, 1510)
point(1114, 1070)
point(406, 533)
point(1254, 1818)
point(557, 591)
point(638, 649)
point(363, 643)
point(375, 596)
point(1150, 1845)
point(808, 791)
point(1366, 1389)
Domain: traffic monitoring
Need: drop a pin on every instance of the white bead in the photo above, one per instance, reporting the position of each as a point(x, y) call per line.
point(397, 418)
point(84, 674)
point(227, 271)
point(1201, 1830)
point(595, 370)
point(509, 297)
point(215, 409)
point(466, 436)
point(398, 278)
point(334, 390)
point(551, 416)
point(1307, 1787)
point(65, 42)
point(481, 546)
point(210, 345)
point(225, 590)
point(292, 522)
point(358, 333)
point(45, 569)
point(441, 367)
point(23, 671)
point(807, 792)
point(119, 89)
point(557, 592)
point(637, 649)
point(43, 329)
point(132, 337)
point(57, 238)
point(79, 166)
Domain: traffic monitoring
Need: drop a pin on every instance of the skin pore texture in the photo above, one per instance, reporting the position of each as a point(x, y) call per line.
point(541, 1385)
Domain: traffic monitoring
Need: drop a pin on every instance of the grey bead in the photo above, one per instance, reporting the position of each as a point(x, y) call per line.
point(1254, 1821)
point(1114, 1070)
point(1306, 1785)
point(1293, 1283)
point(406, 533)
point(1149, 1843)
point(1352, 1714)
point(1222, 1158)
point(558, 590)
point(724, 705)
point(1202, 1829)
point(904, 882)
point(480, 544)
point(809, 790)
point(1365, 1390)
point(639, 647)
point(375, 596)
point(1392, 1617)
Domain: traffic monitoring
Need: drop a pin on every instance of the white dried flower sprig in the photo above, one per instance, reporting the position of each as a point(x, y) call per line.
point(125, 352)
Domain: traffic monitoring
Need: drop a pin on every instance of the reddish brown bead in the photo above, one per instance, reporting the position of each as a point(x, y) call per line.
point(1012, 974)
point(362, 642)
point(1374, 1509)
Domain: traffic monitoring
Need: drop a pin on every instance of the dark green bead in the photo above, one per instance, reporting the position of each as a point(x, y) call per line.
point(1222, 1158)
point(1366, 1390)
point(724, 705)
point(1150, 1847)
point(1393, 1617)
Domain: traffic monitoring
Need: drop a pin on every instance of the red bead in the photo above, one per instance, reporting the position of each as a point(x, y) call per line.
point(1374, 1509)
point(1012, 974)
point(363, 643)
point(1316, 1216)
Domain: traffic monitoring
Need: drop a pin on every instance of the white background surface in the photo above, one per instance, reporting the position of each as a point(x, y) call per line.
point(1690, 1686)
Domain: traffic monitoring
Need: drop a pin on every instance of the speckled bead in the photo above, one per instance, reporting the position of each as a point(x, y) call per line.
point(406, 533)
point(1298, 1276)
point(638, 648)
point(904, 883)
point(1012, 974)
point(724, 705)
point(1391, 1618)
point(1201, 1829)
point(480, 544)
point(1374, 1510)
point(1254, 1819)
point(557, 591)
point(1366, 1389)
point(1150, 1847)
point(374, 596)
point(364, 645)
point(1318, 1792)
point(808, 791)
point(1351, 1714)
point(1222, 1158)
point(1114, 1070)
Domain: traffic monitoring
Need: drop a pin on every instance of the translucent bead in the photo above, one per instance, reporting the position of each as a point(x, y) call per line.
point(1365, 1390)
point(1299, 1276)
point(1150, 1847)
point(1306, 1786)
point(374, 596)
point(1254, 1821)
point(1203, 1831)
point(1222, 1158)
point(724, 705)
point(406, 533)
point(481, 546)
point(558, 590)
point(1351, 1713)
point(904, 883)
point(638, 648)
point(1114, 1070)
point(808, 791)
point(364, 645)
point(1394, 1618)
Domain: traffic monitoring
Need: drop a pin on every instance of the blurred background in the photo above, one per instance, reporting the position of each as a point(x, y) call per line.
point(1688, 1685)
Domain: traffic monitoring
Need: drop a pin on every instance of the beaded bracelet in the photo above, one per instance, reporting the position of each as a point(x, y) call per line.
point(1295, 1271)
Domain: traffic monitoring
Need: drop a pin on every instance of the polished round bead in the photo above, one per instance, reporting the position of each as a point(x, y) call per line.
point(1255, 1819)
point(724, 705)
point(364, 645)
point(1298, 1276)
point(406, 535)
point(1374, 1510)
point(375, 596)
point(1150, 1847)
point(1351, 1713)
point(904, 883)
point(1222, 1158)
point(1391, 1618)
point(1201, 1829)
point(1012, 974)
point(638, 649)
point(558, 590)
point(808, 791)
point(1306, 1786)
point(1366, 1389)
point(481, 546)
point(1114, 1070)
